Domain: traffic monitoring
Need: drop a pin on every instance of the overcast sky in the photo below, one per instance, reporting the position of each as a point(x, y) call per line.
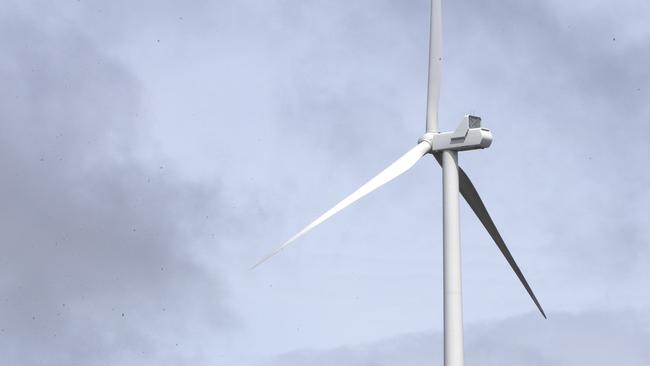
point(152, 151)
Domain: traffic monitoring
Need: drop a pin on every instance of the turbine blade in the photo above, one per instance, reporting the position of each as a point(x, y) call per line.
point(400, 166)
point(435, 65)
point(469, 192)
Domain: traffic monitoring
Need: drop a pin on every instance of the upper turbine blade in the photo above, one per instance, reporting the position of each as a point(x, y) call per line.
point(400, 166)
point(435, 65)
point(469, 192)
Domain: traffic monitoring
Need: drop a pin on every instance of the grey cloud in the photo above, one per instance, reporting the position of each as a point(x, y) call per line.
point(594, 338)
point(113, 22)
point(96, 244)
point(353, 72)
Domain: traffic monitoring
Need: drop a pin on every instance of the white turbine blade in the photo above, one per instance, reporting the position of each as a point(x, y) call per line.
point(396, 169)
point(469, 192)
point(435, 65)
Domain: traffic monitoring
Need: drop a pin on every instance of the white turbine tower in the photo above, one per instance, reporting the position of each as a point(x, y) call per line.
point(445, 147)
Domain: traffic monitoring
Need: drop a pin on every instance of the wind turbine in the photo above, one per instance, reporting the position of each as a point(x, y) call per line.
point(444, 146)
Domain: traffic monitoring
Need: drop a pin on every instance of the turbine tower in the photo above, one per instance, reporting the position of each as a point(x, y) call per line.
point(444, 146)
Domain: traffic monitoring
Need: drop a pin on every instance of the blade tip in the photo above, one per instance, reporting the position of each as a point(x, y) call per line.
point(258, 264)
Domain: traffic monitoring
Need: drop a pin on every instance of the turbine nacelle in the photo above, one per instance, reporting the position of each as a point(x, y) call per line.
point(468, 136)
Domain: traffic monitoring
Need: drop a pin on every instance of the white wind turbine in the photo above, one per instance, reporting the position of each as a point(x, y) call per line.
point(444, 146)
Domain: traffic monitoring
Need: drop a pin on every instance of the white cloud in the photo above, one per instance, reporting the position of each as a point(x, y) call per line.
point(593, 338)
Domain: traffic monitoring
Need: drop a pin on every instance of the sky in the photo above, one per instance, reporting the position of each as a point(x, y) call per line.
point(152, 151)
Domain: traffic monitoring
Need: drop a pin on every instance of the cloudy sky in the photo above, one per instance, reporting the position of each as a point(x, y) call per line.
point(152, 151)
